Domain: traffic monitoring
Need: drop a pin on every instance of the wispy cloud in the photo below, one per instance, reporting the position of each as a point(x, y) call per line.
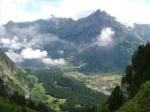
point(25, 37)
point(2, 30)
point(10, 43)
point(27, 44)
point(50, 61)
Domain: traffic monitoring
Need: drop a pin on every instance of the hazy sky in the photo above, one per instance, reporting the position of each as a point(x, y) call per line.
point(126, 11)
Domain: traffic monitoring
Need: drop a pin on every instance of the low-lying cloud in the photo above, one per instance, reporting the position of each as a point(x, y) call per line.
point(106, 37)
point(12, 43)
point(25, 37)
point(50, 61)
point(26, 44)
point(29, 54)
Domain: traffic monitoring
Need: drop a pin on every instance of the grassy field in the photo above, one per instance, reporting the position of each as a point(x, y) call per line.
point(103, 82)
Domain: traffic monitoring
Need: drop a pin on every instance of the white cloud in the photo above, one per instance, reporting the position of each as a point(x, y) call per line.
point(50, 61)
point(106, 37)
point(26, 44)
point(29, 53)
point(127, 11)
point(10, 43)
point(5, 41)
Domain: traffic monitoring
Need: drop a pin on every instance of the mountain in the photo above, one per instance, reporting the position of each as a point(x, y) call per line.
point(88, 44)
point(134, 89)
point(142, 30)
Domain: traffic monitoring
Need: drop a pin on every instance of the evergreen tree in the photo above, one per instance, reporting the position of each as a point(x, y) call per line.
point(116, 99)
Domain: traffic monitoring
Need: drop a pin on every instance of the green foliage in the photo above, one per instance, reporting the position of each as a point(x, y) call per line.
point(141, 101)
point(136, 74)
point(38, 93)
point(9, 106)
point(77, 95)
point(103, 108)
point(116, 99)
point(19, 99)
point(14, 86)
point(36, 89)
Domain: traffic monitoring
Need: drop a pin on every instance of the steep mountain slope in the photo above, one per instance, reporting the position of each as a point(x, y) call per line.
point(11, 74)
point(95, 41)
point(98, 59)
point(131, 92)
point(9, 82)
point(16, 90)
point(141, 101)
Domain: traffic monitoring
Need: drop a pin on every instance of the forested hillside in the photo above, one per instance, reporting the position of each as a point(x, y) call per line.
point(78, 97)
point(134, 92)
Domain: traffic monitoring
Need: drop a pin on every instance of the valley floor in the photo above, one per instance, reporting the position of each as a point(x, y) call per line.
point(102, 82)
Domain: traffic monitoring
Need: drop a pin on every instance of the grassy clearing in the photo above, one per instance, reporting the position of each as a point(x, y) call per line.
point(55, 103)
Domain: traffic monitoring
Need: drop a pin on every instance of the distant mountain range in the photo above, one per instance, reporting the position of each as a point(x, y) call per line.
point(96, 43)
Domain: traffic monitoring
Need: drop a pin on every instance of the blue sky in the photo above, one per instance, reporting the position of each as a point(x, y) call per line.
point(126, 11)
point(147, 1)
point(31, 8)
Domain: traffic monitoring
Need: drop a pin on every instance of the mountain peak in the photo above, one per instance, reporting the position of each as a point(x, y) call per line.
point(98, 11)
point(101, 14)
